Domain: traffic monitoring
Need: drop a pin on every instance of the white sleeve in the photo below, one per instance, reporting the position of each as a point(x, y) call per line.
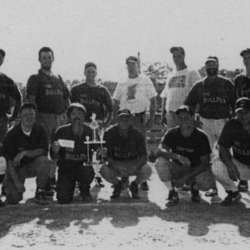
point(194, 77)
point(118, 92)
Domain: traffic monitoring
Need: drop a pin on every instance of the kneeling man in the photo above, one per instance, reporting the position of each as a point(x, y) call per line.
point(235, 138)
point(69, 148)
point(183, 157)
point(126, 155)
point(26, 149)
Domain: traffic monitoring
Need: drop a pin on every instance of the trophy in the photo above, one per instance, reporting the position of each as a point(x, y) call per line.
point(97, 139)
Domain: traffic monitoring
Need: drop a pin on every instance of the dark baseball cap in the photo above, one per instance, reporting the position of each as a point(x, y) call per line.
point(90, 64)
point(131, 59)
point(124, 112)
point(212, 59)
point(2, 52)
point(242, 103)
point(184, 108)
point(177, 48)
point(243, 52)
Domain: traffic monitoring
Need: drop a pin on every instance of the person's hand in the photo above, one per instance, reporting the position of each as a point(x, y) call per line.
point(103, 152)
point(18, 158)
point(149, 124)
point(233, 173)
point(55, 147)
point(183, 160)
point(19, 187)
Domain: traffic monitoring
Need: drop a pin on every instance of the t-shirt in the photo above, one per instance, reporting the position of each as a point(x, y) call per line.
point(135, 94)
point(192, 147)
point(215, 98)
point(17, 141)
point(70, 157)
point(50, 92)
point(234, 136)
point(7, 89)
point(96, 99)
point(177, 87)
point(122, 149)
point(242, 86)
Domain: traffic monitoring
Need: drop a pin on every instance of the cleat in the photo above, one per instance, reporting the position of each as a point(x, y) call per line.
point(212, 192)
point(243, 186)
point(144, 186)
point(40, 197)
point(117, 190)
point(233, 197)
point(133, 187)
point(173, 198)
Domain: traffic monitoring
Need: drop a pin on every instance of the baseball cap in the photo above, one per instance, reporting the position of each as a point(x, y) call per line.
point(90, 64)
point(247, 50)
point(242, 103)
point(177, 48)
point(131, 59)
point(212, 59)
point(125, 112)
point(184, 108)
point(2, 52)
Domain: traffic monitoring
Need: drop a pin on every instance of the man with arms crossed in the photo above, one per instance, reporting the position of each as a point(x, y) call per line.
point(183, 157)
point(235, 138)
point(51, 97)
point(138, 95)
point(26, 148)
point(126, 155)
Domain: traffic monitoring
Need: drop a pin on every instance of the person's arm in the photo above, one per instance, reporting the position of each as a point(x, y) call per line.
point(13, 175)
point(108, 120)
point(226, 158)
point(204, 165)
point(150, 122)
point(116, 108)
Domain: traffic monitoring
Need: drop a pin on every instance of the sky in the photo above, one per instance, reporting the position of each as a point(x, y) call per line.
point(108, 31)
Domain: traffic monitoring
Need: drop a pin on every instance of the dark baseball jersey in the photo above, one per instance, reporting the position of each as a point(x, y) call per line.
point(234, 136)
point(122, 149)
point(50, 92)
point(70, 157)
point(242, 86)
point(7, 89)
point(192, 147)
point(215, 98)
point(17, 141)
point(96, 99)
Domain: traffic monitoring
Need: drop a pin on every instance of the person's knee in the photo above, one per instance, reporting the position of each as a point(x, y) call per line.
point(104, 171)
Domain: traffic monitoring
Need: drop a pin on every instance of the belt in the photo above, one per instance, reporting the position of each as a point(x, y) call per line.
point(139, 114)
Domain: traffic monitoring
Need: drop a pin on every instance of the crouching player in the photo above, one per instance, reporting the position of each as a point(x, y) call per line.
point(235, 136)
point(69, 148)
point(126, 154)
point(183, 157)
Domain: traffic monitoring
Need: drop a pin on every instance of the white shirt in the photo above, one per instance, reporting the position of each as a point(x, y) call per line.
point(135, 94)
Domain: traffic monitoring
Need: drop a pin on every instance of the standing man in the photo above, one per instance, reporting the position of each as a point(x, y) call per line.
point(183, 157)
point(71, 158)
point(126, 155)
point(177, 87)
point(214, 99)
point(26, 149)
point(51, 97)
point(235, 138)
point(138, 95)
point(242, 89)
point(96, 99)
point(8, 89)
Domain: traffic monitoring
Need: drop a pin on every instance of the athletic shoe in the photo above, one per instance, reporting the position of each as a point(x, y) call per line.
point(173, 198)
point(195, 195)
point(186, 187)
point(40, 197)
point(117, 190)
point(232, 198)
point(243, 186)
point(212, 192)
point(144, 186)
point(125, 182)
point(133, 187)
point(2, 204)
point(98, 181)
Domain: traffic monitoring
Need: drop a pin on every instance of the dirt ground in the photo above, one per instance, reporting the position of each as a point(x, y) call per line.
point(125, 223)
